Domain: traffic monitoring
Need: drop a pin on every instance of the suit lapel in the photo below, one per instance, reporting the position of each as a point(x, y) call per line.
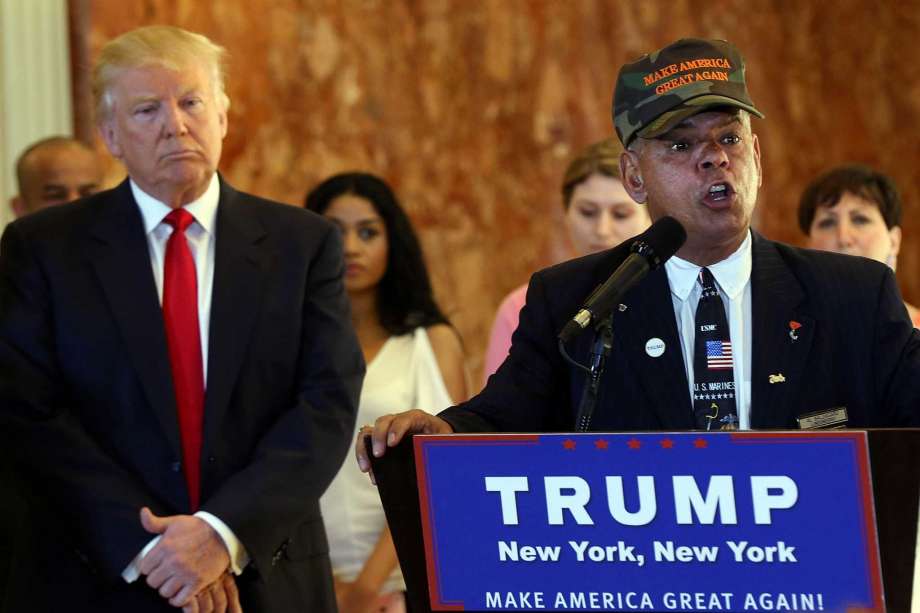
point(118, 251)
point(778, 315)
point(649, 315)
point(239, 266)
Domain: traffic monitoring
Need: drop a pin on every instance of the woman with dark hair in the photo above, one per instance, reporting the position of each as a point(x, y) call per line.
point(855, 210)
point(414, 360)
point(599, 214)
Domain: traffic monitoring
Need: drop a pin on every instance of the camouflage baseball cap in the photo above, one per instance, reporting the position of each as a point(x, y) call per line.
point(661, 89)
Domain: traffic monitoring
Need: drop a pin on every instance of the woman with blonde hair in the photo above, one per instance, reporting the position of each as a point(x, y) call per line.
point(599, 214)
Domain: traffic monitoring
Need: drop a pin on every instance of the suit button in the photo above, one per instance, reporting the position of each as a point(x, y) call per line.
point(212, 459)
point(176, 466)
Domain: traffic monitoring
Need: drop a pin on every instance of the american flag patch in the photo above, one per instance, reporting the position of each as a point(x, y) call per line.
point(718, 355)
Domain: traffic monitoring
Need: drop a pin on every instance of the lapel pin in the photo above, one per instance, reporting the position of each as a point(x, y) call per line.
point(777, 378)
point(794, 330)
point(622, 307)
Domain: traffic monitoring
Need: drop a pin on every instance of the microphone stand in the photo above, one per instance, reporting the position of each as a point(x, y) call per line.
point(603, 341)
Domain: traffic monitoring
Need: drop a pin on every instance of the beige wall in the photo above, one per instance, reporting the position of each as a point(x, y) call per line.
point(470, 108)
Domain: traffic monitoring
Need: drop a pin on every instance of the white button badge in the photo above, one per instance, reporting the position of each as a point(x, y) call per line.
point(654, 347)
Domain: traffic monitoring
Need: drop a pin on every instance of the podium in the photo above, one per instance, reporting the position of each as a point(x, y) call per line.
point(882, 492)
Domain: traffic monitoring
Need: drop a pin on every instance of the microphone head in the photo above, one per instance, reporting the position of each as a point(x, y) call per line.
point(660, 241)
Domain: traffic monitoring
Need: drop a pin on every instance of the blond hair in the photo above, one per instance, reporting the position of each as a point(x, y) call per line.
point(167, 46)
point(601, 158)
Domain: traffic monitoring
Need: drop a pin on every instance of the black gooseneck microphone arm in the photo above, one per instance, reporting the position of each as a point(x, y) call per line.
point(600, 349)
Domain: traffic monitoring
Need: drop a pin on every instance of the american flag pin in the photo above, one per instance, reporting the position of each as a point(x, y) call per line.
point(718, 355)
point(794, 330)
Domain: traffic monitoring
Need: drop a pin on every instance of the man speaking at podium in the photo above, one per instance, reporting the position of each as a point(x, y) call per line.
point(735, 331)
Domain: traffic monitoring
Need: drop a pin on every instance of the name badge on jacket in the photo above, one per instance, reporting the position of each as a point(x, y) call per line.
point(828, 419)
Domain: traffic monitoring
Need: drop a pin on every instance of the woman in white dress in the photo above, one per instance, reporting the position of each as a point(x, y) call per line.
point(414, 360)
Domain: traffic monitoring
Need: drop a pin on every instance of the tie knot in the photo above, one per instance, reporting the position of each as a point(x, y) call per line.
point(708, 283)
point(706, 279)
point(179, 219)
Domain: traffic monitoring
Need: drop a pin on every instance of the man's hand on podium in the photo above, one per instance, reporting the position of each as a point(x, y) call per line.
point(388, 430)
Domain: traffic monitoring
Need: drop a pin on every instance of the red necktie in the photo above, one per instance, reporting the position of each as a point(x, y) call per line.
point(180, 313)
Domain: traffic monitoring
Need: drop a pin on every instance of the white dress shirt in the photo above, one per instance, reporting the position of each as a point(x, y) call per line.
point(733, 280)
point(201, 238)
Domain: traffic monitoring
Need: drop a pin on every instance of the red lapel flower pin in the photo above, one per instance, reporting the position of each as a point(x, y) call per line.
point(794, 330)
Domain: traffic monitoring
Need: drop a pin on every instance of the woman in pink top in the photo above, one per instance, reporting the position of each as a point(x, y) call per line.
point(599, 214)
point(857, 211)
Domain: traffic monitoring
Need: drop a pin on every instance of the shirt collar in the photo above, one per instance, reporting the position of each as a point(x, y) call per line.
point(732, 273)
point(204, 210)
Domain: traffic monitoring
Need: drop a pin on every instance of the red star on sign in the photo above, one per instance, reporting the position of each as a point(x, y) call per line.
point(568, 443)
point(634, 443)
point(667, 443)
point(700, 443)
point(601, 443)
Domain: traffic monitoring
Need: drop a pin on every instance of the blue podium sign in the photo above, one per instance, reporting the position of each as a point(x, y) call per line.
point(741, 521)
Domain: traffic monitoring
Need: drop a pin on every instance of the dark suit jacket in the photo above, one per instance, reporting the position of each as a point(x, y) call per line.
point(856, 348)
point(87, 402)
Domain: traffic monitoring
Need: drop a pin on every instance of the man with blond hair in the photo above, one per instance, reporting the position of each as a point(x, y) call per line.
point(52, 171)
point(178, 374)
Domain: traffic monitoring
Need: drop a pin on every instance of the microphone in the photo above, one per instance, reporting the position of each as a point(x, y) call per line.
point(649, 250)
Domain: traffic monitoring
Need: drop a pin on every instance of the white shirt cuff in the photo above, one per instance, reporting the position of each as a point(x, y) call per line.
point(131, 572)
point(239, 557)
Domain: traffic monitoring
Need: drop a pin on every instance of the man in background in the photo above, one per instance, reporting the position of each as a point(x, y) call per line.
point(53, 171)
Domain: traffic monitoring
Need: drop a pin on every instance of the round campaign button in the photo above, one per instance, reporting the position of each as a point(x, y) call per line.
point(654, 347)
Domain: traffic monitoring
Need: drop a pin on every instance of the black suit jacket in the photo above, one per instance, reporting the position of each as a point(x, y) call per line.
point(87, 401)
point(856, 348)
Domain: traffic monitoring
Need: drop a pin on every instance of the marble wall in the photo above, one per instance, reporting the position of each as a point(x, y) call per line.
point(471, 108)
